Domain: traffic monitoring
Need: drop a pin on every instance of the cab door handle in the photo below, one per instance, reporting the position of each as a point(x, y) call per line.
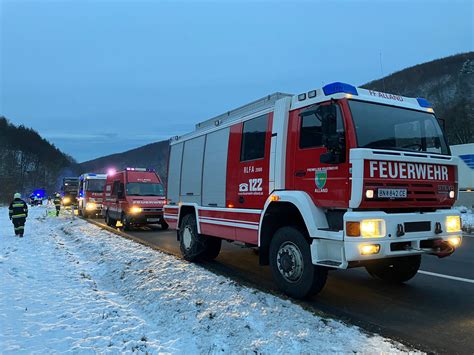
point(300, 173)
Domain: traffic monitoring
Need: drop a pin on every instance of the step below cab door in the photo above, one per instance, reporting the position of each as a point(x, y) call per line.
point(317, 161)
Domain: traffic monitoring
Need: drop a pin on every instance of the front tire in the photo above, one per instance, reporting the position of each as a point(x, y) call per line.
point(395, 270)
point(291, 264)
point(125, 222)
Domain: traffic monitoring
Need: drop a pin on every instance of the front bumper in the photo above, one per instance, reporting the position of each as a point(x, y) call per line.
point(419, 235)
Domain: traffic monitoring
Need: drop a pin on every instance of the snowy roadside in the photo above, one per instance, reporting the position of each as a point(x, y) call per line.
point(71, 286)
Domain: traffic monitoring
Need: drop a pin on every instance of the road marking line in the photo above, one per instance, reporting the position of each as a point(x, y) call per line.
point(446, 276)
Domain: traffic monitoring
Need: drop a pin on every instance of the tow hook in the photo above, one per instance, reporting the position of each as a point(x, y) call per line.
point(441, 248)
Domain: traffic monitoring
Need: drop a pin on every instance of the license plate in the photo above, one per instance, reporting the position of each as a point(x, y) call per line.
point(152, 220)
point(392, 193)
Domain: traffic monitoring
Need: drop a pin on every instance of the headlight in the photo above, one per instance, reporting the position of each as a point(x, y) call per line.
point(372, 228)
point(91, 206)
point(367, 228)
point(135, 210)
point(453, 224)
point(66, 200)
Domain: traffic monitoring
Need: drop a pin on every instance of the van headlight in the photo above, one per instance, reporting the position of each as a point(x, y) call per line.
point(66, 200)
point(135, 210)
point(453, 224)
point(91, 206)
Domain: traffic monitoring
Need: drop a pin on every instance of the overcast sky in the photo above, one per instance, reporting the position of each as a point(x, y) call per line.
point(100, 77)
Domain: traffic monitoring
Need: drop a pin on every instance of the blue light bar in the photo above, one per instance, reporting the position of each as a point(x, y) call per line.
point(424, 102)
point(338, 87)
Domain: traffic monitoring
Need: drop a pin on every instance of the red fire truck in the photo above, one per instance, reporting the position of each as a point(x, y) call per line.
point(333, 178)
point(90, 194)
point(135, 197)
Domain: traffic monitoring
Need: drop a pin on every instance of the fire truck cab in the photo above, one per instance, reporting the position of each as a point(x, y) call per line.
point(69, 191)
point(91, 194)
point(333, 178)
point(135, 197)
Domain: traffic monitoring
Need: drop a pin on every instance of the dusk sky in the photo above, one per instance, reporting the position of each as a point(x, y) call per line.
point(101, 77)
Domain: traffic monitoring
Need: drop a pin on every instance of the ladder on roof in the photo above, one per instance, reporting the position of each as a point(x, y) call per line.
point(245, 110)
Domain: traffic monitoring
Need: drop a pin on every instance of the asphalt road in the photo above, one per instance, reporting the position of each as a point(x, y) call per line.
point(433, 312)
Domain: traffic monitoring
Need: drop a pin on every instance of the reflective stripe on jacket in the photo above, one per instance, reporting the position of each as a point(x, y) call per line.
point(18, 209)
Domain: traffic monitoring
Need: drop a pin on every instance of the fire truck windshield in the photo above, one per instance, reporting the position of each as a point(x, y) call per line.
point(95, 185)
point(395, 128)
point(144, 189)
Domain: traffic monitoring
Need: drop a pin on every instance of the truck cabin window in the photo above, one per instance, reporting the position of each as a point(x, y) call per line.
point(396, 128)
point(145, 189)
point(95, 185)
point(253, 138)
point(311, 130)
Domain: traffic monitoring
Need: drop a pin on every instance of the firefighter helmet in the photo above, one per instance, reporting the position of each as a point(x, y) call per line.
point(17, 195)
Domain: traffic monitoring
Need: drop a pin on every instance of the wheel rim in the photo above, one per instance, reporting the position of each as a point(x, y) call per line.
point(290, 262)
point(187, 237)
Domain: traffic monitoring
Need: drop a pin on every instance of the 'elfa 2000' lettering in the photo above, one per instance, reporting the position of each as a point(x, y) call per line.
point(404, 170)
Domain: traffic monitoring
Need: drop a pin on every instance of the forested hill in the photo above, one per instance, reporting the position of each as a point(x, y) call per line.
point(28, 162)
point(448, 83)
point(153, 155)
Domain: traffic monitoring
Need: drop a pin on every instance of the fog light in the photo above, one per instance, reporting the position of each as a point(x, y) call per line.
point(454, 241)
point(451, 194)
point(453, 224)
point(135, 210)
point(91, 206)
point(369, 193)
point(369, 249)
point(372, 228)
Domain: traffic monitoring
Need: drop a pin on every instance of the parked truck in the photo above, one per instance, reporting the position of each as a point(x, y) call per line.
point(333, 178)
point(69, 191)
point(91, 194)
point(135, 197)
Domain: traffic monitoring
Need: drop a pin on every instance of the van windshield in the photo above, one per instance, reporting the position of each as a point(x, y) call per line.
point(396, 128)
point(144, 189)
point(95, 185)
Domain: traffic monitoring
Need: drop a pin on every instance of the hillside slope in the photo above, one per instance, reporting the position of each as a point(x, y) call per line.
point(28, 162)
point(154, 155)
point(448, 83)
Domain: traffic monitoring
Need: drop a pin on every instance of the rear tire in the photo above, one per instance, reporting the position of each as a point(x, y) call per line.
point(196, 246)
point(164, 225)
point(110, 221)
point(291, 264)
point(395, 270)
point(212, 249)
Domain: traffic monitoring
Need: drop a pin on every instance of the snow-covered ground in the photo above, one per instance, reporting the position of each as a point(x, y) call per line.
point(71, 286)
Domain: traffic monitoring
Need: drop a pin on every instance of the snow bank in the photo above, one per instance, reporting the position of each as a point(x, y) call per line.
point(69, 285)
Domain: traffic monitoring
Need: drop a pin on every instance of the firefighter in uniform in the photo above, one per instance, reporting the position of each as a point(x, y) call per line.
point(57, 203)
point(18, 211)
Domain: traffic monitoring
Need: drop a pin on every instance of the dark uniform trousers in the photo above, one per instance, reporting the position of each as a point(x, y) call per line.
point(18, 212)
point(57, 204)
